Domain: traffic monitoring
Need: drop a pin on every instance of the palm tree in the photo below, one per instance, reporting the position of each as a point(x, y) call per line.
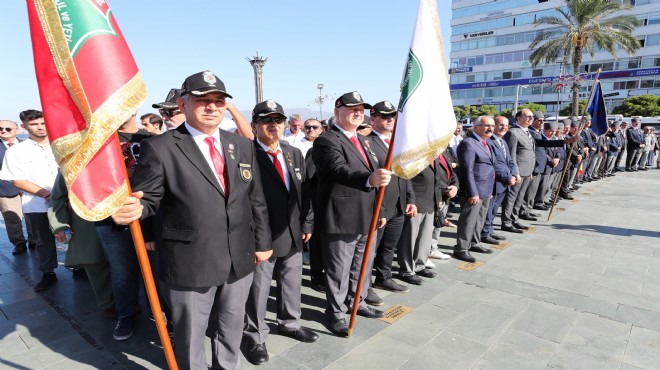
point(581, 26)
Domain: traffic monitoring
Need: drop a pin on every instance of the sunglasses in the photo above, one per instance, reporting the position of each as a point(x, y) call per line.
point(312, 127)
point(8, 129)
point(267, 120)
point(387, 116)
point(169, 112)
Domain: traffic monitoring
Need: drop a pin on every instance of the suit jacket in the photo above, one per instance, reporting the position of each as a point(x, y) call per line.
point(398, 192)
point(344, 200)
point(426, 186)
point(541, 158)
point(286, 218)
point(205, 234)
point(446, 179)
point(7, 189)
point(614, 142)
point(477, 176)
point(505, 167)
point(522, 150)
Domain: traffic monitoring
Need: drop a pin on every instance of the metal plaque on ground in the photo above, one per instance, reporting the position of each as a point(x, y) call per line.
point(502, 245)
point(395, 313)
point(469, 266)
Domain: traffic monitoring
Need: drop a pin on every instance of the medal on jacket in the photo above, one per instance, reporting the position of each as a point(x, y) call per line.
point(230, 150)
point(373, 155)
point(246, 171)
point(288, 159)
point(298, 175)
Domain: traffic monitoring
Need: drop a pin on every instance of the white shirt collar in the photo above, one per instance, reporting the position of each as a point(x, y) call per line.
point(195, 133)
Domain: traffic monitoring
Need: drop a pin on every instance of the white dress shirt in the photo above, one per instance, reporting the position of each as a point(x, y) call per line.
point(199, 138)
point(280, 158)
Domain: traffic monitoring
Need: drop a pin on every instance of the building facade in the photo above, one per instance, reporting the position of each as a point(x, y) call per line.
point(490, 51)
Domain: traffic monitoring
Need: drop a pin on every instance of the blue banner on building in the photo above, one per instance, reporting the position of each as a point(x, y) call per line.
point(555, 79)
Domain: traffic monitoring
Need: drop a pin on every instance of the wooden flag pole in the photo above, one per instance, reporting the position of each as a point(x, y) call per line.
point(583, 121)
point(149, 284)
point(370, 238)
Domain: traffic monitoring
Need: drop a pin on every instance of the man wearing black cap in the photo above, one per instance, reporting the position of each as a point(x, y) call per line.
point(348, 177)
point(398, 201)
point(282, 169)
point(573, 162)
point(207, 184)
point(172, 116)
point(615, 144)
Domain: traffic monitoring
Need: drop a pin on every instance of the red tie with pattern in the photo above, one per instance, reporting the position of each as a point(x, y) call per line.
point(485, 145)
point(356, 144)
point(387, 141)
point(219, 164)
point(443, 162)
point(277, 164)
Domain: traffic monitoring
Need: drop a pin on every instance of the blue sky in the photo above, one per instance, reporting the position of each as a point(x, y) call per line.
point(346, 45)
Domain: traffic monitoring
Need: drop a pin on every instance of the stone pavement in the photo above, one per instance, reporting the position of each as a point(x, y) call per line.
point(582, 292)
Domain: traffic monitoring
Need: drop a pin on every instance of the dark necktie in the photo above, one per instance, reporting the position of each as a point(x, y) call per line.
point(356, 144)
point(219, 164)
point(277, 164)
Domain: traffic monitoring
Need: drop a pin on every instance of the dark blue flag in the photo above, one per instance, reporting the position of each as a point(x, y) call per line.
point(596, 109)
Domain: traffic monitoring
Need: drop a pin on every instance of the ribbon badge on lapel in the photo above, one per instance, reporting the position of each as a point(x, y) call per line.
point(288, 159)
point(246, 171)
point(298, 175)
point(231, 151)
point(373, 155)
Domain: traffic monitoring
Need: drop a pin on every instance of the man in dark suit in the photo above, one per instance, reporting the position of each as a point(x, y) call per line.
point(10, 196)
point(398, 201)
point(506, 174)
point(215, 222)
point(476, 182)
point(348, 177)
point(282, 169)
point(527, 211)
point(551, 159)
point(635, 145)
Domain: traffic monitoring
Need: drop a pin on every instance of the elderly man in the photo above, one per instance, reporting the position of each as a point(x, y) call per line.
point(348, 177)
point(635, 145)
point(312, 129)
point(282, 169)
point(294, 133)
point(172, 116)
point(207, 184)
point(476, 181)
point(10, 197)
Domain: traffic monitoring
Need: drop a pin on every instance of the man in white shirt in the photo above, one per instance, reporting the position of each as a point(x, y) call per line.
point(312, 129)
point(31, 167)
point(294, 133)
point(10, 196)
point(457, 138)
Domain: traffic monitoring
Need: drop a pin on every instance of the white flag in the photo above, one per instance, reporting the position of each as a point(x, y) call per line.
point(426, 120)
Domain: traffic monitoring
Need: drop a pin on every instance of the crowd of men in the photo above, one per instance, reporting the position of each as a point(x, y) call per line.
point(226, 212)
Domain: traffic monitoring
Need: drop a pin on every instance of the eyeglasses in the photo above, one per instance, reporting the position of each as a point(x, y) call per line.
point(267, 120)
point(8, 129)
point(529, 117)
point(387, 116)
point(312, 127)
point(169, 112)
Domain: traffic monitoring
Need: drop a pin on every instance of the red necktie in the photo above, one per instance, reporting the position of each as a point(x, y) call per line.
point(219, 164)
point(485, 145)
point(277, 164)
point(443, 162)
point(387, 141)
point(356, 144)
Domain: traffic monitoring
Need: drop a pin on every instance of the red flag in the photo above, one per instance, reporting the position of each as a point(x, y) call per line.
point(89, 85)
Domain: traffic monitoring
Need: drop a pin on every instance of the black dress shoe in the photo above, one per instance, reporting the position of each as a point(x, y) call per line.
point(318, 285)
point(257, 353)
point(533, 214)
point(47, 280)
point(528, 218)
point(464, 256)
point(301, 334)
point(511, 229)
point(497, 237)
point(541, 207)
point(339, 327)
point(373, 299)
point(427, 273)
point(31, 245)
point(411, 279)
point(19, 249)
point(480, 249)
point(370, 313)
point(490, 240)
point(566, 196)
point(520, 226)
point(391, 285)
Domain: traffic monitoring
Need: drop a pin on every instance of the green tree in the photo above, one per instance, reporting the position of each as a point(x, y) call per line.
point(584, 25)
point(569, 111)
point(508, 113)
point(534, 107)
point(484, 110)
point(644, 105)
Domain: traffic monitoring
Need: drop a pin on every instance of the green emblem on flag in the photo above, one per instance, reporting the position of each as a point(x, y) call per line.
point(412, 79)
point(81, 20)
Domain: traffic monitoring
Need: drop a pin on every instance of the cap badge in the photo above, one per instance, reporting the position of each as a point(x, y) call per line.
point(388, 105)
point(357, 96)
point(209, 77)
point(271, 104)
point(170, 95)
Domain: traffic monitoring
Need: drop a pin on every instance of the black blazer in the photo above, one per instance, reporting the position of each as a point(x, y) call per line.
point(204, 233)
point(445, 180)
point(398, 192)
point(426, 186)
point(505, 167)
point(344, 201)
point(285, 216)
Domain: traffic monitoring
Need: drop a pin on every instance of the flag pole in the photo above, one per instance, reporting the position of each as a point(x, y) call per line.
point(370, 238)
point(148, 277)
point(583, 121)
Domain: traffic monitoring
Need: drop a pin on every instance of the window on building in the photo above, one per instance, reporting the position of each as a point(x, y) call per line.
point(646, 84)
point(536, 90)
point(516, 74)
point(506, 75)
point(537, 72)
point(474, 93)
point(509, 91)
point(653, 40)
point(469, 78)
point(634, 62)
point(608, 66)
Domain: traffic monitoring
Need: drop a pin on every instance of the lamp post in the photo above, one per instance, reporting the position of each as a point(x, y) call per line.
point(515, 106)
point(320, 87)
point(560, 85)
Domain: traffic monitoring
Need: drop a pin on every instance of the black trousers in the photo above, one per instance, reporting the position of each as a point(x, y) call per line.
point(387, 240)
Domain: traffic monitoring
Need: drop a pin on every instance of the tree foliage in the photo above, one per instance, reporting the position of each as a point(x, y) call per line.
point(584, 25)
point(533, 107)
point(508, 113)
point(644, 105)
point(568, 110)
point(463, 112)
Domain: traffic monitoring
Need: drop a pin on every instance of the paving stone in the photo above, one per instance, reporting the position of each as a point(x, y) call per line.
point(631, 299)
point(376, 353)
point(421, 327)
point(638, 317)
point(66, 346)
point(517, 350)
point(93, 359)
point(651, 289)
point(21, 308)
point(507, 301)
point(483, 323)
point(545, 320)
point(11, 283)
point(585, 349)
point(459, 297)
point(643, 348)
point(447, 351)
